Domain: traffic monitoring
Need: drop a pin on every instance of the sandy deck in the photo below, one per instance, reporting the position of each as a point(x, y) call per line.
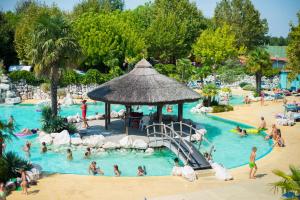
point(175, 188)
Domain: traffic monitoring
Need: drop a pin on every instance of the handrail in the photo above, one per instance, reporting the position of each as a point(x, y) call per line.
point(191, 127)
point(173, 140)
point(173, 135)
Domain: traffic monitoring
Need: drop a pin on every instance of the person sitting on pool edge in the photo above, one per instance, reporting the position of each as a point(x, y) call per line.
point(93, 169)
point(273, 133)
point(279, 140)
point(141, 171)
point(263, 124)
point(116, 170)
point(44, 147)
point(69, 154)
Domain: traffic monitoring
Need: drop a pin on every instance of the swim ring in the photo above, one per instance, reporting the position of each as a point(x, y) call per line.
point(249, 131)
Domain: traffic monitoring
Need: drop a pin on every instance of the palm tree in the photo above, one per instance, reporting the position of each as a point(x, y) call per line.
point(53, 48)
point(289, 182)
point(259, 63)
point(6, 134)
point(209, 91)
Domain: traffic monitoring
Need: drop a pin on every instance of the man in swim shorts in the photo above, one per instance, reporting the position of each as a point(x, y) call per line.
point(252, 163)
point(263, 124)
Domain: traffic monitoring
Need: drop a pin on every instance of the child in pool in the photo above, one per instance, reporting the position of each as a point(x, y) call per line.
point(93, 169)
point(141, 171)
point(116, 170)
point(69, 154)
point(44, 147)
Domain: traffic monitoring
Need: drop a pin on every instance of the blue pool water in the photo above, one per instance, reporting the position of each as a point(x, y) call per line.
point(231, 149)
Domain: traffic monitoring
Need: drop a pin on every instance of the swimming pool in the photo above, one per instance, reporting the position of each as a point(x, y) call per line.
point(231, 149)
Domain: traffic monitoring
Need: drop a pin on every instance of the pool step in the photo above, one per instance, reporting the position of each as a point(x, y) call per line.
point(205, 173)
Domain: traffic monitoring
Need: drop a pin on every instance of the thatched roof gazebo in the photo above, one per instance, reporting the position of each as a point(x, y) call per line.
point(143, 86)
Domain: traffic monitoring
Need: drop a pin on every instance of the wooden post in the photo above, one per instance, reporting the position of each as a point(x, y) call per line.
point(180, 111)
point(159, 113)
point(126, 119)
point(106, 116)
point(108, 112)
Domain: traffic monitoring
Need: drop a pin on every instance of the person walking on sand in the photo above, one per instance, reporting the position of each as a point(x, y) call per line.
point(262, 98)
point(252, 164)
point(24, 182)
point(83, 111)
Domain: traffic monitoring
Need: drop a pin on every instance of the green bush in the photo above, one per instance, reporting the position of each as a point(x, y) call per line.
point(222, 108)
point(242, 84)
point(54, 124)
point(10, 163)
point(92, 76)
point(249, 87)
point(69, 77)
point(24, 75)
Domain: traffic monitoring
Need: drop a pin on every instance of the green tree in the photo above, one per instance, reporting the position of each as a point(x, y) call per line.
point(28, 16)
point(209, 91)
point(6, 134)
point(244, 20)
point(184, 69)
point(8, 53)
point(108, 38)
point(53, 48)
point(289, 182)
point(173, 29)
point(214, 47)
point(259, 63)
point(293, 50)
point(97, 6)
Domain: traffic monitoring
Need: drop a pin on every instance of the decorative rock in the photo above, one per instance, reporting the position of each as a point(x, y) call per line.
point(93, 141)
point(149, 150)
point(63, 138)
point(121, 113)
point(76, 141)
point(189, 173)
point(110, 145)
point(126, 142)
point(53, 135)
point(139, 144)
point(46, 138)
point(114, 114)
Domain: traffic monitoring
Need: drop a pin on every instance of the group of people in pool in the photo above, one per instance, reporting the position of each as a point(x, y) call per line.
point(94, 170)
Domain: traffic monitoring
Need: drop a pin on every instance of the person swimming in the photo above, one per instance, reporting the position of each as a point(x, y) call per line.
point(44, 147)
point(26, 149)
point(243, 133)
point(238, 129)
point(93, 169)
point(141, 171)
point(116, 170)
point(69, 154)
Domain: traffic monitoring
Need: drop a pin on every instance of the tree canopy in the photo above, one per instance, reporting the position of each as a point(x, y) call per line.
point(173, 29)
point(244, 20)
point(259, 63)
point(108, 37)
point(293, 50)
point(214, 47)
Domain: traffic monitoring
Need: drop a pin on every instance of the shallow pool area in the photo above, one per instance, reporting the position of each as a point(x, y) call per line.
point(231, 149)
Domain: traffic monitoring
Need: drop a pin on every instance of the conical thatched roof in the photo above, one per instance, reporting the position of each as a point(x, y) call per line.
point(143, 86)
